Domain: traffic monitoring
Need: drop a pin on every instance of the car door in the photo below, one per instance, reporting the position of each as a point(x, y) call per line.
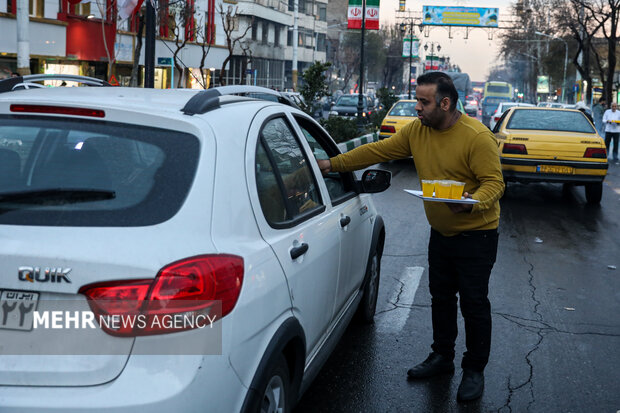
point(293, 218)
point(354, 221)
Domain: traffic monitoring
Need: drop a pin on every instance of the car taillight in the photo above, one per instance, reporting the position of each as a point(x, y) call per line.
point(58, 110)
point(497, 118)
point(514, 148)
point(595, 153)
point(187, 287)
point(388, 129)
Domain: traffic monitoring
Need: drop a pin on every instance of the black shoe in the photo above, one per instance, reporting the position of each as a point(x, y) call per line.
point(472, 385)
point(434, 365)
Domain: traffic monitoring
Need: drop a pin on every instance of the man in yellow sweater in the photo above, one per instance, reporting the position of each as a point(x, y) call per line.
point(463, 242)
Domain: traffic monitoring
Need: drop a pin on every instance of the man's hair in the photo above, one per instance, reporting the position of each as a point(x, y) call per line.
point(601, 100)
point(445, 86)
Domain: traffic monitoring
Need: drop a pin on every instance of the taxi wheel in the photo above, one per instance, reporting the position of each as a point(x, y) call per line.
point(594, 193)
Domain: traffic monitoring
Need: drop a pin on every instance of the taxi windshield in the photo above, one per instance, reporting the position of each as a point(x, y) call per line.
point(550, 120)
point(403, 109)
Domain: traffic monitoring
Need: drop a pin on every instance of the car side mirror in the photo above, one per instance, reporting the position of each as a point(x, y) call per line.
point(375, 180)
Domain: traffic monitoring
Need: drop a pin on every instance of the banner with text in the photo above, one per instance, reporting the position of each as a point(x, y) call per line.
point(355, 14)
point(460, 16)
point(411, 47)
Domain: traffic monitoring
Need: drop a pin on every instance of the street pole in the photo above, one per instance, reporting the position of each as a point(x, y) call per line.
point(23, 38)
point(410, 53)
point(295, 42)
point(360, 103)
point(149, 47)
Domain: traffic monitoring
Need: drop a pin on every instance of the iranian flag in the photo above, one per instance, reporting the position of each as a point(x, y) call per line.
point(355, 14)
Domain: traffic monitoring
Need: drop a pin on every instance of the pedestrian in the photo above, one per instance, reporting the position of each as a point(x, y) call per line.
point(463, 237)
point(597, 113)
point(611, 119)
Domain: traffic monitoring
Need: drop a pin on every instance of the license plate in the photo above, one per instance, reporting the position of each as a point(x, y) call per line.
point(17, 309)
point(553, 169)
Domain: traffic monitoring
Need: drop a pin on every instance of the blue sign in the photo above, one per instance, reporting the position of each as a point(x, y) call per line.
point(164, 61)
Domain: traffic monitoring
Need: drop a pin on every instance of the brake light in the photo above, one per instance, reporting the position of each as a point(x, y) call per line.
point(514, 148)
point(58, 110)
point(595, 153)
point(190, 286)
point(388, 129)
point(497, 118)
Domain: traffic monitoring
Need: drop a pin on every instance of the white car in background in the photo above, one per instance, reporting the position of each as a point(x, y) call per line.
point(503, 107)
point(172, 205)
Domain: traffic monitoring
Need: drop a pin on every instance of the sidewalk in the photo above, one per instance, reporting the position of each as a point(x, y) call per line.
point(354, 143)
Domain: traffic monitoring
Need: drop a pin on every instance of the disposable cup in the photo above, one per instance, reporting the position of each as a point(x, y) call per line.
point(442, 189)
point(428, 187)
point(456, 189)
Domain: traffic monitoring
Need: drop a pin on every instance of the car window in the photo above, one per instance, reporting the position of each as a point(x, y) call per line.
point(286, 186)
point(499, 122)
point(339, 185)
point(403, 109)
point(347, 101)
point(553, 120)
point(67, 172)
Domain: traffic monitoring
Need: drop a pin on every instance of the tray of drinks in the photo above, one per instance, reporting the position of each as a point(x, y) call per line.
point(442, 191)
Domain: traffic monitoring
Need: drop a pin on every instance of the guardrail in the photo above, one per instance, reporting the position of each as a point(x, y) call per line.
point(354, 143)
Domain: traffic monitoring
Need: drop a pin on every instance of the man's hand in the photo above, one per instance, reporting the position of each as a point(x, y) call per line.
point(456, 208)
point(325, 166)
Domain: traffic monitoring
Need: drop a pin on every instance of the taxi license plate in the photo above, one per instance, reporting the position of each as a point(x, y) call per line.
point(17, 309)
point(553, 169)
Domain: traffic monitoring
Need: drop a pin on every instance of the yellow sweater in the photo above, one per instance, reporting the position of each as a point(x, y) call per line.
point(466, 152)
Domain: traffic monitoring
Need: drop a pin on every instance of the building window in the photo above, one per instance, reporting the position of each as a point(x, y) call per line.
point(320, 44)
point(291, 5)
point(36, 8)
point(265, 33)
point(276, 35)
point(301, 6)
point(254, 31)
point(289, 38)
point(323, 13)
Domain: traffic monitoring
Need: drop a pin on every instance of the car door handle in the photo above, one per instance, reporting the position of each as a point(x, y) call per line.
point(344, 221)
point(297, 252)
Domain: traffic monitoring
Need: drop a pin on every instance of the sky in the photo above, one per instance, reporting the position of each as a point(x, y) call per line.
point(475, 55)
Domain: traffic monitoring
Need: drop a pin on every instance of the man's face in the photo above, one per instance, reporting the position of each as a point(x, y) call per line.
point(614, 106)
point(429, 112)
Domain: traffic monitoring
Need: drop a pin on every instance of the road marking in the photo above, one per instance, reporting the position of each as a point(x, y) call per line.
point(404, 295)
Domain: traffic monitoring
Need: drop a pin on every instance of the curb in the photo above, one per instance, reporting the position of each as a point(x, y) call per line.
point(354, 143)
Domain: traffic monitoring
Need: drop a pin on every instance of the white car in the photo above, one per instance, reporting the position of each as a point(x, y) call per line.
point(501, 108)
point(195, 229)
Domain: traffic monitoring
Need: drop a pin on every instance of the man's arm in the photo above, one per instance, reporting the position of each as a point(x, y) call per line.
point(395, 147)
point(486, 166)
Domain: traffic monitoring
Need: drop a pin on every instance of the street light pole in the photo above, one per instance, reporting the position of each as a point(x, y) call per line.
point(410, 55)
point(360, 88)
point(565, 59)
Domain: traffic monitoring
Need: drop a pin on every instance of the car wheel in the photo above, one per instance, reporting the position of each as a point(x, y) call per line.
point(368, 304)
point(594, 193)
point(276, 389)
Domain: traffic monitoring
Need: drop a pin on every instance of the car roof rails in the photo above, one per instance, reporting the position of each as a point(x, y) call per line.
point(27, 81)
point(209, 99)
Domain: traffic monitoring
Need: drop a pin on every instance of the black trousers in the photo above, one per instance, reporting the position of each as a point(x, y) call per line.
point(609, 136)
point(462, 264)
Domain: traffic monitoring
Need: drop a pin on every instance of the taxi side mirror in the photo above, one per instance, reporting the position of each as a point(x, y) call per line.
point(375, 180)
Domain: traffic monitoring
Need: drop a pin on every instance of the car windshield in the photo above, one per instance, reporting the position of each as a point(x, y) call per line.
point(347, 101)
point(67, 172)
point(403, 109)
point(498, 88)
point(550, 120)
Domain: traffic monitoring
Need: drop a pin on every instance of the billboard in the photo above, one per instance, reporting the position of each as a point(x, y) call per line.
point(460, 16)
point(542, 84)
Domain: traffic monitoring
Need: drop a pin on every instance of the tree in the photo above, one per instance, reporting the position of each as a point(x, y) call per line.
point(205, 40)
point(133, 81)
point(183, 24)
point(315, 85)
point(229, 26)
point(392, 70)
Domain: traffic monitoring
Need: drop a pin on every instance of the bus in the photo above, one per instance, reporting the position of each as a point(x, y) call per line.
point(499, 89)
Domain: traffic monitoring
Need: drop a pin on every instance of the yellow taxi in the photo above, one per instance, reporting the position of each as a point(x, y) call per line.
point(539, 144)
point(398, 116)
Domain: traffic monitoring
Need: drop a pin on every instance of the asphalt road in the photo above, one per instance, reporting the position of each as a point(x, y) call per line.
point(555, 305)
